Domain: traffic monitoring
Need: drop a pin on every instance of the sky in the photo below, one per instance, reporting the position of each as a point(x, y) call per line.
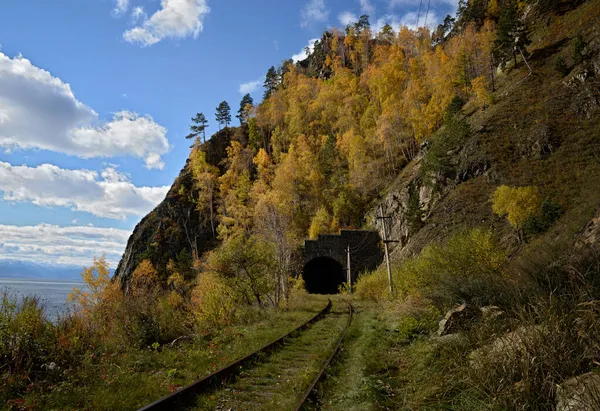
point(96, 98)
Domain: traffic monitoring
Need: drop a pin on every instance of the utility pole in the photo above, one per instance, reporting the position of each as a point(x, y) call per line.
point(385, 245)
point(348, 272)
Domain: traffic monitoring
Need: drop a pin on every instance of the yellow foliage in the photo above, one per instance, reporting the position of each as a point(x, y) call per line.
point(213, 303)
point(321, 224)
point(516, 203)
point(97, 280)
point(144, 278)
point(480, 89)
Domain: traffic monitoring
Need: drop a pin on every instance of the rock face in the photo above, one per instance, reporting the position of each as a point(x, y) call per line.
point(175, 230)
point(580, 393)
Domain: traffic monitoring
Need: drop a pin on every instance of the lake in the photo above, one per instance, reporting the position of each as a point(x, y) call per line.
point(53, 293)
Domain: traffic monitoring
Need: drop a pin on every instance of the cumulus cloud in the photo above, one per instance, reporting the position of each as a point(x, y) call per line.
point(38, 110)
point(345, 18)
point(109, 194)
point(251, 86)
point(121, 7)
point(52, 244)
point(303, 54)
point(175, 19)
point(313, 12)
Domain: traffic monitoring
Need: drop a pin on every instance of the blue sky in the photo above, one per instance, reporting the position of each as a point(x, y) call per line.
point(96, 97)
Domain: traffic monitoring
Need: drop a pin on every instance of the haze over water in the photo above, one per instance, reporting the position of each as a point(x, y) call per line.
point(53, 293)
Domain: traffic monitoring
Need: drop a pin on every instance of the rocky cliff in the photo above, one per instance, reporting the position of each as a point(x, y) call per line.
point(174, 230)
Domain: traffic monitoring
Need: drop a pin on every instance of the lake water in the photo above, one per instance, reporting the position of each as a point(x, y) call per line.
point(52, 292)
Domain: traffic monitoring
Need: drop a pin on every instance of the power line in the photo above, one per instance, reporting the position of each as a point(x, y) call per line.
point(427, 14)
point(419, 15)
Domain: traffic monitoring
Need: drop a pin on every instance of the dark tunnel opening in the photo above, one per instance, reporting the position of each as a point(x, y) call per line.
point(323, 275)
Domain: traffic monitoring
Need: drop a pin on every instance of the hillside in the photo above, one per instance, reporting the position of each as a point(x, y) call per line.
point(478, 142)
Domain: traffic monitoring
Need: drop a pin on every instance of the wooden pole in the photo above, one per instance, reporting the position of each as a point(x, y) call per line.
point(349, 272)
point(387, 253)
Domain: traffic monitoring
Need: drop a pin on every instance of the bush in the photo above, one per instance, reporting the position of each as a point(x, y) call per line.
point(550, 212)
point(27, 341)
point(214, 303)
point(465, 268)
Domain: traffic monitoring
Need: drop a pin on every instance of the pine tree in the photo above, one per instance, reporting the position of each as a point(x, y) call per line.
point(246, 100)
point(512, 34)
point(199, 127)
point(386, 34)
point(223, 114)
point(271, 82)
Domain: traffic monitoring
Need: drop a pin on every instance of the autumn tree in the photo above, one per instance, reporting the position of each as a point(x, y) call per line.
point(517, 204)
point(245, 264)
point(198, 127)
point(223, 114)
point(97, 280)
point(245, 105)
point(205, 179)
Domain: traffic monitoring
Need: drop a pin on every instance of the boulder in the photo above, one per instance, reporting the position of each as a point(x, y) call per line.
point(457, 319)
point(580, 393)
point(490, 312)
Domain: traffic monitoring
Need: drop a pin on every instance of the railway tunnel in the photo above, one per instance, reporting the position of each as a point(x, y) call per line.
point(325, 259)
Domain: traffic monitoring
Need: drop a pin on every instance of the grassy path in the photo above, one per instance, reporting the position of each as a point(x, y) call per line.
point(277, 383)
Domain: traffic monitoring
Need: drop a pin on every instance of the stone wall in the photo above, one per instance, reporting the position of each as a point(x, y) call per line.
point(365, 246)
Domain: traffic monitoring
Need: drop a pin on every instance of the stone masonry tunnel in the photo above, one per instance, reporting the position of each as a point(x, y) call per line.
point(325, 259)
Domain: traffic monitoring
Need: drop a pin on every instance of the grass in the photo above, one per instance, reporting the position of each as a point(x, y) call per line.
point(131, 379)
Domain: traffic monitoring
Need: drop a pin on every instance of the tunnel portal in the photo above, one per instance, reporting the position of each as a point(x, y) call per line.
point(326, 259)
point(323, 275)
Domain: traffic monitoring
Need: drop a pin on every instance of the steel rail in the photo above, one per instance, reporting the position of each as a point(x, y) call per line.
point(318, 377)
point(186, 395)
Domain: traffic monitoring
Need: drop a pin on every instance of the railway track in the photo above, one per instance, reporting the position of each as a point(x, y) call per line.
point(280, 375)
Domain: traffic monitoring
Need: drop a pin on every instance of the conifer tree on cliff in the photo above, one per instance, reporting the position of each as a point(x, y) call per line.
point(223, 114)
point(246, 100)
point(199, 127)
point(512, 34)
point(271, 82)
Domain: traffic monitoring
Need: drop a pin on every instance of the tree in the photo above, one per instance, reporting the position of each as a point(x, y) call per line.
point(362, 24)
point(517, 204)
point(512, 34)
point(386, 35)
point(199, 127)
point(223, 114)
point(271, 82)
point(96, 279)
point(243, 111)
point(205, 178)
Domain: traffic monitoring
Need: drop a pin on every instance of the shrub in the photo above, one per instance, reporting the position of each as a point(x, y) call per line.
point(373, 286)
point(578, 49)
point(214, 303)
point(550, 212)
point(517, 204)
point(465, 268)
point(27, 341)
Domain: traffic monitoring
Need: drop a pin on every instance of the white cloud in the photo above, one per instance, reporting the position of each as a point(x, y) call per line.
point(367, 7)
point(138, 14)
point(40, 111)
point(313, 12)
point(251, 86)
point(52, 244)
point(175, 19)
point(303, 54)
point(345, 18)
point(109, 194)
point(121, 7)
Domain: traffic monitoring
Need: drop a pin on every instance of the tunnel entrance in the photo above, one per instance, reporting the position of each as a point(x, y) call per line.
point(323, 275)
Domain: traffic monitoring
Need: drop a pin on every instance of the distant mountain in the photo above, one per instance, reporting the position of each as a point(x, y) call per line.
point(26, 269)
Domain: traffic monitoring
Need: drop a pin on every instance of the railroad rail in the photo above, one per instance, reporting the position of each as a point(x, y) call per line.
point(183, 398)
